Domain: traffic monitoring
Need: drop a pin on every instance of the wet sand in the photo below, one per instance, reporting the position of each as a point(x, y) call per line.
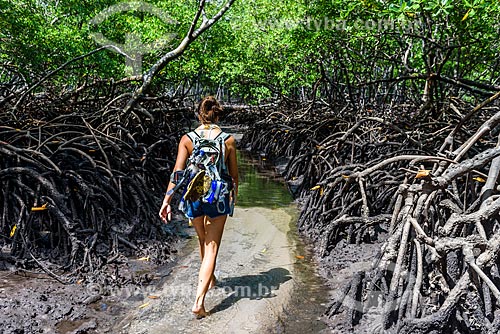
point(255, 271)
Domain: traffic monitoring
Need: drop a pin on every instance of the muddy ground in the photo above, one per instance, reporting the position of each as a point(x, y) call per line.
point(266, 284)
point(35, 303)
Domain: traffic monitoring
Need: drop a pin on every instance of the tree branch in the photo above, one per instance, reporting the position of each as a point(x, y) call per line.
point(191, 36)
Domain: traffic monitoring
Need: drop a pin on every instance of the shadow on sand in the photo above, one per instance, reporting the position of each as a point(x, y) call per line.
point(258, 286)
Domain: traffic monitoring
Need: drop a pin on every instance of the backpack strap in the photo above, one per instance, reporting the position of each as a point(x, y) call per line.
point(192, 135)
point(223, 136)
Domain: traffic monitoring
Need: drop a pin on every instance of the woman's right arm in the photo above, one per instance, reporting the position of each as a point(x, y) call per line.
point(180, 164)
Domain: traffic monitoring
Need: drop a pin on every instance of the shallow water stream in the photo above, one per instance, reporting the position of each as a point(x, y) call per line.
point(261, 187)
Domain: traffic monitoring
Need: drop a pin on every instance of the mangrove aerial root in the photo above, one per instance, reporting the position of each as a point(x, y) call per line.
point(427, 194)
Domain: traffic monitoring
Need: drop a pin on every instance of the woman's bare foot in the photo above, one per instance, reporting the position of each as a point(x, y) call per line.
point(213, 282)
point(199, 312)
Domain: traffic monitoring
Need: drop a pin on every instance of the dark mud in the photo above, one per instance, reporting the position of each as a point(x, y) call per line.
point(346, 261)
point(36, 303)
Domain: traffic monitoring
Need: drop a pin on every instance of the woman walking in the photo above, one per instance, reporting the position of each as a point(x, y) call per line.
point(208, 218)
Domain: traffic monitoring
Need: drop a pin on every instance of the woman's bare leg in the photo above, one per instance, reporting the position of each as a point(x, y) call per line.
point(213, 235)
point(199, 226)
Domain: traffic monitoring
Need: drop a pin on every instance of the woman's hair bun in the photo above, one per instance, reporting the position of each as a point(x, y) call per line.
point(209, 110)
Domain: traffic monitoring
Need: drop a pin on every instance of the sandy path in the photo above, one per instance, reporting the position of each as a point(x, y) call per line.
point(255, 272)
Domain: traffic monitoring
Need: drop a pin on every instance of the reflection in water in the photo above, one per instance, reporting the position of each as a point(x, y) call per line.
point(258, 187)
